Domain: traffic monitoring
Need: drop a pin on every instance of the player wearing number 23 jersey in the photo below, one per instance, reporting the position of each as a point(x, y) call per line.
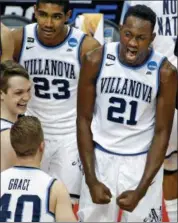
point(52, 53)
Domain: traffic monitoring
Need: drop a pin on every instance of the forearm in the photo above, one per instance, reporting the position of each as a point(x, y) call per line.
point(155, 159)
point(86, 148)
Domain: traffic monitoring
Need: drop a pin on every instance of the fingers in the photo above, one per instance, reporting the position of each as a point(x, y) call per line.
point(107, 191)
point(105, 199)
point(123, 195)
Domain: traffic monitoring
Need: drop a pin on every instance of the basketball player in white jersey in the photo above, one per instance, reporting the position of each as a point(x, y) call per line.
point(167, 30)
point(52, 53)
point(6, 44)
point(27, 193)
point(122, 102)
point(15, 93)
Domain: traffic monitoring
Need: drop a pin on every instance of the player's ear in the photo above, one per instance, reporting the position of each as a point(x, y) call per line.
point(2, 95)
point(68, 15)
point(153, 36)
point(42, 146)
point(35, 11)
point(120, 27)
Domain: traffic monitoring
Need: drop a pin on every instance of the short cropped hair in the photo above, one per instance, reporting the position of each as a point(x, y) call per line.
point(9, 69)
point(26, 135)
point(64, 3)
point(143, 12)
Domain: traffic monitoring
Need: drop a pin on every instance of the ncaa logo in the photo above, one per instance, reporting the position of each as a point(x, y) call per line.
point(152, 65)
point(72, 42)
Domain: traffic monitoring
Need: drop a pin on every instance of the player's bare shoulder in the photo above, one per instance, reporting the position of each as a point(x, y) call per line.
point(89, 43)
point(92, 62)
point(94, 57)
point(168, 72)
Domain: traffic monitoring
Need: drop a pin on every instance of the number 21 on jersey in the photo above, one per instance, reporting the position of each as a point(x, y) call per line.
point(118, 108)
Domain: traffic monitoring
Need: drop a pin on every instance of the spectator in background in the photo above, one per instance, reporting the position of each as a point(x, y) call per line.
point(167, 30)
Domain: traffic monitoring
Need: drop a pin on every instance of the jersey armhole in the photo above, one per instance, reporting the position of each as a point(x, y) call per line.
point(48, 198)
point(101, 63)
point(79, 49)
point(22, 44)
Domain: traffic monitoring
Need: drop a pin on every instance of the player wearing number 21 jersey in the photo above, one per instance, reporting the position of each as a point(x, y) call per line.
point(52, 53)
point(122, 102)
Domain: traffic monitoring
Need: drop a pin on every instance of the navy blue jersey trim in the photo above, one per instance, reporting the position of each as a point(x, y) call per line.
point(22, 44)
point(101, 63)
point(173, 152)
point(26, 167)
point(75, 196)
point(97, 146)
point(48, 198)
point(79, 49)
point(3, 119)
point(136, 66)
point(170, 172)
point(55, 46)
point(2, 130)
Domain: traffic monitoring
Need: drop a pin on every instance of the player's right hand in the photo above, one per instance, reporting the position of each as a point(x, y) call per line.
point(100, 193)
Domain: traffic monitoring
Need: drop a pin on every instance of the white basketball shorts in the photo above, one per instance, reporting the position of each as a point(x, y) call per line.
point(61, 161)
point(121, 173)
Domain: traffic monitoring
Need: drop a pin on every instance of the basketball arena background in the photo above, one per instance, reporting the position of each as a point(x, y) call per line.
point(110, 8)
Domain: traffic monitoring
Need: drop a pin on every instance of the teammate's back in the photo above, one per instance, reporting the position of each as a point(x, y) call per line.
point(27, 192)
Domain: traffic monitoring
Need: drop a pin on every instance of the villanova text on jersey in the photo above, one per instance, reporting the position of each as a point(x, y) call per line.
point(50, 67)
point(124, 86)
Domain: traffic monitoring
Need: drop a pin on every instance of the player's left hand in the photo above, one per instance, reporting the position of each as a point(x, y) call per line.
point(128, 200)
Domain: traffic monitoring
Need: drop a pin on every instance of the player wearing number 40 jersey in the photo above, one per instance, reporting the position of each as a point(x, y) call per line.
point(126, 100)
point(27, 193)
point(52, 52)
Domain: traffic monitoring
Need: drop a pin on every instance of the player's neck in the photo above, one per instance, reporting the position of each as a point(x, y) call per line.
point(5, 114)
point(28, 162)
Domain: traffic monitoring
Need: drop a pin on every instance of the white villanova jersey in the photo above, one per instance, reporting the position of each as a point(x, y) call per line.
point(166, 26)
point(5, 124)
point(124, 115)
point(25, 195)
point(54, 72)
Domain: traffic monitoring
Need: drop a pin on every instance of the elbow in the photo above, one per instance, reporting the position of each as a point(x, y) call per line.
point(83, 121)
